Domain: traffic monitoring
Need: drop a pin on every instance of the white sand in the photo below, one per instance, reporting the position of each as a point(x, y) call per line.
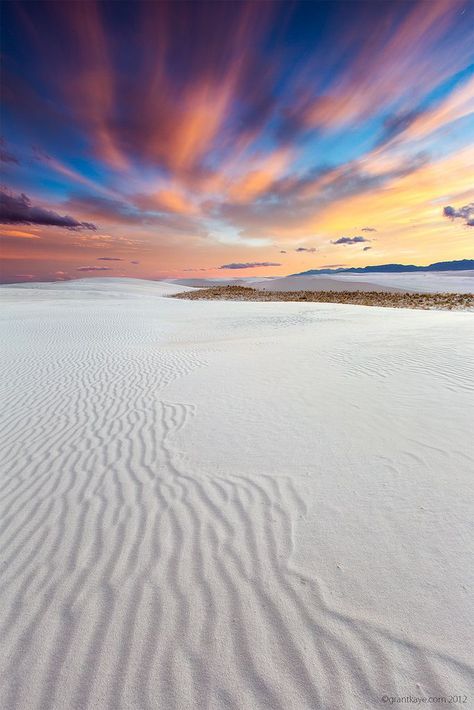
point(420, 281)
point(319, 283)
point(291, 283)
point(242, 506)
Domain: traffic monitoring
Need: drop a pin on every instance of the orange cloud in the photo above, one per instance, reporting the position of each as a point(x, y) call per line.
point(91, 88)
point(458, 105)
point(19, 234)
point(255, 182)
point(408, 213)
point(199, 120)
point(169, 200)
point(383, 68)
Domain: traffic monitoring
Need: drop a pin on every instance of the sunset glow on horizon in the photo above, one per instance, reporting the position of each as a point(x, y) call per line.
point(217, 139)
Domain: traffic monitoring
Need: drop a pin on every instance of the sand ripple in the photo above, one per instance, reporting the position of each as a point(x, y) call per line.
point(131, 582)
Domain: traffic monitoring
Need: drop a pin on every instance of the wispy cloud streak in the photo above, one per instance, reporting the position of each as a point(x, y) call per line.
point(192, 132)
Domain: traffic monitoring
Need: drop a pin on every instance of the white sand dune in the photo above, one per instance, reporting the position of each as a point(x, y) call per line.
point(420, 281)
point(320, 283)
point(90, 288)
point(243, 506)
point(292, 283)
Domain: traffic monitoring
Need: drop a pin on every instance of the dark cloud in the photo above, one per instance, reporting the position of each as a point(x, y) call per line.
point(248, 265)
point(291, 201)
point(282, 251)
point(291, 186)
point(135, 262)
point(350, 240)
point(17, 209)
point(40, 154)
point(106, 208)
point(136, 212)
point(351, 179)
point(366, 248)
point(5, 155)
point(108, 258)
point(310, 250)
point(368, 229)
point(465, 213)
point(93, 268)
point(397, 124)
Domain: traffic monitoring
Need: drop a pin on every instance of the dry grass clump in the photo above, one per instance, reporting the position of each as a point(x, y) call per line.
point(426, 301)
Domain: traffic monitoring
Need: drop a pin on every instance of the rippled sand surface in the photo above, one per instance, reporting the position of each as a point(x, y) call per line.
point(231, 505)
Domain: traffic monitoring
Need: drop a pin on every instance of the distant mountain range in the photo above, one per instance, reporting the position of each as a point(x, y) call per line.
point(460, 265)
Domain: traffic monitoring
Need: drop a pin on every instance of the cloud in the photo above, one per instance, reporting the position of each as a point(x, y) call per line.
point(209, 146)
point(465, 213)
point(17, 209)
point(5, 155)
point(19, 234)
point(248, 265)
point(366, 248)
point(174, 113)
point(133, 212)
point(457, 105)
point(108, 258)
point(106, 209)
point(350, 240)
point(93, 268)
point(135, 262)
point(293, 202)
point(61, 276)
point(397, 124)
point(310, 250)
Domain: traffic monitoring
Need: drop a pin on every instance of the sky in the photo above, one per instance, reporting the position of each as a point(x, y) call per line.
point(225, 139)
